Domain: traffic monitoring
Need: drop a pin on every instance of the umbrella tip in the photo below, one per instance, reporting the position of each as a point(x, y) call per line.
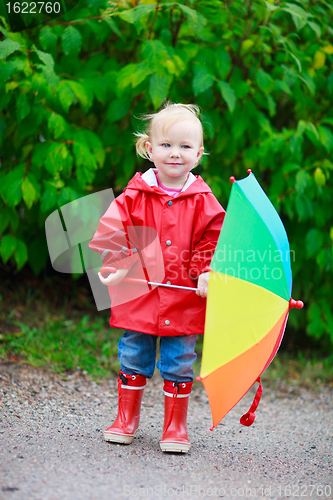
point(295, 303)
point(249, 171)
point(232, 179)
point(198, 379)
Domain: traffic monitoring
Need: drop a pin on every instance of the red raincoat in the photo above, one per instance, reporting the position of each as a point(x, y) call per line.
point(187, 227)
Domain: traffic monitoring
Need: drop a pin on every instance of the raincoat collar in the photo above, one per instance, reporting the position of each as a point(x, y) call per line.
point(148, 182)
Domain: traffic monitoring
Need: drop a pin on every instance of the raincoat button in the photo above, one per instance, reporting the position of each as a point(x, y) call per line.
point(168, 282)
point(168, 242)
point(170, 203)
point(167, 322)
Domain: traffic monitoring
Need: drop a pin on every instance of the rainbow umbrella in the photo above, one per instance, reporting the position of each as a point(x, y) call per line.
point(249, 298)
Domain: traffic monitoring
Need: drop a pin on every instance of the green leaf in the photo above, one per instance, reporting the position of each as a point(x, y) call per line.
point(30, 189)
point(22, 107)
point(296, 11)
point(7, 247)
point(39, 154)
point(329, 121)
point(270, 7)
point(310, 127)
point(82, 154)
point(282, 86)
point(67, 195)
point(153, 52)
point(304, 207)
point(301, 181)
point(46, 58)
point(127, 15)
point(118, 109)
point(93, 142)
point(316, 28)
point(202, 80)
point(8, 70)
point(313, 242)
point(290, 167)
point(71, 41)
point(264, 123)
point(112, 25)
point(98, 87)
point(140, 74)
point(47, 38)
point(11, 188)
point(57, 153)
point(158, 89)
point(83, 94)
point(271, 105)
point(7, 47)
point(125, 77)
point(4, 219)
point(138, 15)
point(222, 62)
point(228, 94)
point(20, 254)
point(309, 82)
point(66, 95)
point(56, 125)
point(319, 177)
point(298, 62)
point(49, 198)
point(190, 13)
point(326, 137)
point(264, 81)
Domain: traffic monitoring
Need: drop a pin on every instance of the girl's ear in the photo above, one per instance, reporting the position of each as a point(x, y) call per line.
point(200, 153)
point(149, 150)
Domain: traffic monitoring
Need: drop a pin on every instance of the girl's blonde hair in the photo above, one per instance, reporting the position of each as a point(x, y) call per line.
point(169, 114)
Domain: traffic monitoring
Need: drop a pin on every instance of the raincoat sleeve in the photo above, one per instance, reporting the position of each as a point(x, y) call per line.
point(212, 216)
point(112, 240)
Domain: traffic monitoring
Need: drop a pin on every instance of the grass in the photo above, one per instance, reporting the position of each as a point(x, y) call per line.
point(66, 334)
point(65, 345)
point(53, 323)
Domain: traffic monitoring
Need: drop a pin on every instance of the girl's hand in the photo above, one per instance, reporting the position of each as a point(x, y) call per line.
point(202, 285)
point(114, 279)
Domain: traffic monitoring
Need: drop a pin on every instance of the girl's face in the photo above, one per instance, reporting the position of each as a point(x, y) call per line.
point(175, 151)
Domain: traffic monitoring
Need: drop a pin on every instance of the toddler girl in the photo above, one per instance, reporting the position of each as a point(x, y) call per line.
point(183, 211)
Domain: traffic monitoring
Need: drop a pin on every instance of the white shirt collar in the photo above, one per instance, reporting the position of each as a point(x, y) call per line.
point(150, 178)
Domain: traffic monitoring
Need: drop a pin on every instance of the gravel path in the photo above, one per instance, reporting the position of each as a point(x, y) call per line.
point(51, 433)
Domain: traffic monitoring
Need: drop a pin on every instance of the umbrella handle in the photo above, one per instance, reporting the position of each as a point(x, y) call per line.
point(109, 270)
point(112, 270)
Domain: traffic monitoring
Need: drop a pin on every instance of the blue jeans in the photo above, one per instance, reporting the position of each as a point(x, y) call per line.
point(137, 355)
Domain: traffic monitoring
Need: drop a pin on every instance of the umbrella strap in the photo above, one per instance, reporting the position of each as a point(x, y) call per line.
point(248, 418)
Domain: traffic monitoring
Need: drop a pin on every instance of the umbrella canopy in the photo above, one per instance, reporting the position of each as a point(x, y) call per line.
point(249, 298)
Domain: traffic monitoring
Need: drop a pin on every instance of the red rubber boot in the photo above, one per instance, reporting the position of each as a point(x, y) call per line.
point(175, 437)
point(130, 392)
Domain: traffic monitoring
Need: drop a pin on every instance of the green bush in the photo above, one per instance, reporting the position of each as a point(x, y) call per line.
point(72, 93)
